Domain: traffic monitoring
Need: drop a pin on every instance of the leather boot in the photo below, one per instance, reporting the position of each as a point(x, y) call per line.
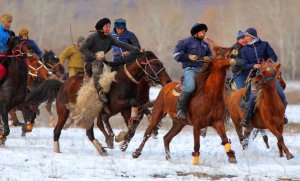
point(247, 117)
point(181, 104)
point(285, 119)
point(97, 71)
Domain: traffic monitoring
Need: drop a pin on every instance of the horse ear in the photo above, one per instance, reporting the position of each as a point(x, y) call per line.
point(278, 67)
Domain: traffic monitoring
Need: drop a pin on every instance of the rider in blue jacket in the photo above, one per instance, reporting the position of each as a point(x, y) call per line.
point(192, 52)
point(252, 53)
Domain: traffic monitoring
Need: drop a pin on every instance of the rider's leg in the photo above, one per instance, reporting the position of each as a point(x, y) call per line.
point(282, 97)
point(188, 88)
point(249, 109)
point(97, 69)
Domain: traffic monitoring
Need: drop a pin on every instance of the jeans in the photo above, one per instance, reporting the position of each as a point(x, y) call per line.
point(240, 80)
point(189, 83)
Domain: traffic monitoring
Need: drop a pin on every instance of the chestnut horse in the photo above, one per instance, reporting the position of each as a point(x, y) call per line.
point(269, 109)
point(13, 87)
point(205, 108)
point(121, 95)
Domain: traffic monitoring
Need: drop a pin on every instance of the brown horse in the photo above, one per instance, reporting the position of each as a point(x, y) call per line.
point(37, 72)
point(121, 95)
point(269, 109)
point(205, 108)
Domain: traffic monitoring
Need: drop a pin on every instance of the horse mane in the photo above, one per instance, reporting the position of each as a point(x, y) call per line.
point(133, 56)
point(202, 76)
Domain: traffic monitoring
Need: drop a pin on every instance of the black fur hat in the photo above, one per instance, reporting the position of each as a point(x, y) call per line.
point(99, 25)
point(198, 27)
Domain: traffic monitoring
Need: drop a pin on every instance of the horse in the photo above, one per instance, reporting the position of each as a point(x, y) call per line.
point(37, 72)
point(210, 83)
point(269, 109)
point(13, 87)
point(121, 95)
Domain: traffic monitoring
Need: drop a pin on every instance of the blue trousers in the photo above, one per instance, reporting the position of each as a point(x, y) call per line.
point(189, 83)
point(240, 80)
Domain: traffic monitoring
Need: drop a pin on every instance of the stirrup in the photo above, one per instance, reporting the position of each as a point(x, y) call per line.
point(181, 114)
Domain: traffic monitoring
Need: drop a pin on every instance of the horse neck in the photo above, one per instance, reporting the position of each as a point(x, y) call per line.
point(270, 95)
point(134, 71)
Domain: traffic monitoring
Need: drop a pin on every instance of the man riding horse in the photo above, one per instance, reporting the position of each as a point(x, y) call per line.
point(99, 41)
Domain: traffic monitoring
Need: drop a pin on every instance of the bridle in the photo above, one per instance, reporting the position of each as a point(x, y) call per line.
point(35, 70)
point(266, 79)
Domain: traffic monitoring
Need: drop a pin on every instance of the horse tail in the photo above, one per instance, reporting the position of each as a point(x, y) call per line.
point(45, 92)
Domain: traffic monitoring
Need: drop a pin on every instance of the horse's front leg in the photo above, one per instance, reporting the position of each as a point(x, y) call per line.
point(95, 142)
point(196, 153)
point(6, 129)
point(28, 125)
point(14, 118)
point(220, 128)
point(109, 137)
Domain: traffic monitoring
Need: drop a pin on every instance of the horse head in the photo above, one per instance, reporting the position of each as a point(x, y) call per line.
point(221, 53)
point(51, 60)
point(18, 48)
point(37, 70)
point(153, 68)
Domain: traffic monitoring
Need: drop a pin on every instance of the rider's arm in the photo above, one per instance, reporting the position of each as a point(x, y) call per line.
point(84, 48)
point(124, 45)
point(179, 53)
point(271, 53)
point(133, 40)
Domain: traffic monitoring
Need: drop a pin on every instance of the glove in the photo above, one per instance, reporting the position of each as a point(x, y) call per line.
point(193, 57)
point(234, 52)
point(100, 55)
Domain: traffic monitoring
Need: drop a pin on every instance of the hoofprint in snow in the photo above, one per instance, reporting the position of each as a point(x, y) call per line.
point(32, 158)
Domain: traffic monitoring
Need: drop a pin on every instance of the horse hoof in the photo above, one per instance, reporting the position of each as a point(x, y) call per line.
point(168, 157)
point(290, 156)
point(110, 144)
point(232, 160)
point(2, 139)
point(136, 154)
point(121, 136)
point(124, 146)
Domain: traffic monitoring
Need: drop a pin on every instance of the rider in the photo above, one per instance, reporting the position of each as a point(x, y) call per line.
point(239, 76)
point(255, 50)
point(74, 56)
point(100, 41)
point(121, 33)
point(192, 52)
point(5, 23)
point(23, 33)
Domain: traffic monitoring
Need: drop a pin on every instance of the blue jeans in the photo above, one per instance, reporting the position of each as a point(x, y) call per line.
point(189, 83)
point(240, 80)
point(279, 92)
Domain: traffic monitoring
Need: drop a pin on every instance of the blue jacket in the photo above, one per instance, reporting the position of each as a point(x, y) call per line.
point(4, 36)
point(193, 46)
point(127, 37)
point(252, 53)
point(35, 48)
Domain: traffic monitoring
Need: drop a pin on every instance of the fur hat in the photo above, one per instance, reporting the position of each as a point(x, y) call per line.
point(198, 27)
point(120, 23)
point(5, 18)
point(99, 25)
point(240, 35)
point(252, 32)
point(80, 39)
point(23, 32)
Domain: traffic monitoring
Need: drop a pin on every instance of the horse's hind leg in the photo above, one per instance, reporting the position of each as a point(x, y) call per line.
point(108, 139)
point(62, 115)
point(95, 142)
point(220, 128)
point(14, 118)
point(6, 129)
point(176, 128)
point(131, 132)
point(48, 108)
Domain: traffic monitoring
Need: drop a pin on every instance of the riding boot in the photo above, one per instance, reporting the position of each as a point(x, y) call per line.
point(97, 71)
point(247, 117)
point(285, 119)
point(181, 104)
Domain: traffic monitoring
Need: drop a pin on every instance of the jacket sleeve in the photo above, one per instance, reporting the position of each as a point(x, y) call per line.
point(134, 41)
point(65, 55)
point(84, 49)
point(271, 53)
point(37, 50)
point(179, 53)
point(124, 46)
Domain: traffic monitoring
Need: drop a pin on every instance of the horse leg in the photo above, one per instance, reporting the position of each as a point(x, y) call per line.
point(95, 142)
point(6, 129)
point(239, 132)
point(176, 128)
point(220, 128)
point(14, 118)
point(265, 137)
point(131, 132)
point(48, 108)
point(109, 138)
point(196, 153)
point(62, 116)
point(27, 127)
point(280, 141)
point(247, 133)
point(157, 115)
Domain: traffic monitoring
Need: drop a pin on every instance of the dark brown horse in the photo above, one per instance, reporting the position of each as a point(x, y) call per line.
point(122, 94)
point(269, 109)
point(37, 72)
point(205, 108)
point(13, 87)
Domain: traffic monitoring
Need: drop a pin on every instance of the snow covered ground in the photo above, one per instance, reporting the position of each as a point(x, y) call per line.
point(32, 158)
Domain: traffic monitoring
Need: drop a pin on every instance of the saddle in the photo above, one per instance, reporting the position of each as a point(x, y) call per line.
point(178, 88)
